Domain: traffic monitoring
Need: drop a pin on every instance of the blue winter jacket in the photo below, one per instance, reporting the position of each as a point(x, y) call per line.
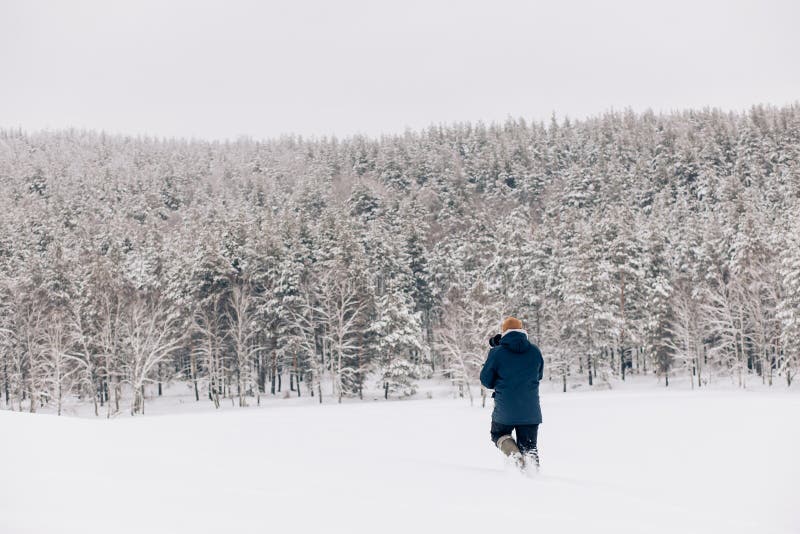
point(513, 370)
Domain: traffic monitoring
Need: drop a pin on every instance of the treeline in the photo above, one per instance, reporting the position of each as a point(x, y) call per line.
point(627, 243)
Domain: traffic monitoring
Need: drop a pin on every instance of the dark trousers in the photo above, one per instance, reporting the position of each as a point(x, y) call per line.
point(526, 435)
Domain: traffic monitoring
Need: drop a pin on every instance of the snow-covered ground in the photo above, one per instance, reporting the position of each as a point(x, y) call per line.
point(641, 461)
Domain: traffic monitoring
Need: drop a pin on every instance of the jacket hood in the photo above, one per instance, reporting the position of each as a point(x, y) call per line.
point(515, 341)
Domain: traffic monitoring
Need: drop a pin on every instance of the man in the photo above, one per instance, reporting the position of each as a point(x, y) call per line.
point(513, 370)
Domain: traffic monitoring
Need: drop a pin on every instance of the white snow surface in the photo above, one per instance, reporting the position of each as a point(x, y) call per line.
point(616, 462)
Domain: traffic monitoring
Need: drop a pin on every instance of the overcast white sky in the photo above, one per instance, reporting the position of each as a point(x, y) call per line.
point(224, 69)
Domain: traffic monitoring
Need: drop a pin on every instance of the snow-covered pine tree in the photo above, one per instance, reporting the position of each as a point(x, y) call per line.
point(397, 331)
point(786, 354)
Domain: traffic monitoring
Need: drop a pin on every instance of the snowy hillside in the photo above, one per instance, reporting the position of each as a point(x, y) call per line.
point(638, 462)
point(628, 244)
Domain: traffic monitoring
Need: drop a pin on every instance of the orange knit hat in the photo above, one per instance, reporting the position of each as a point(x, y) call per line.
point(511, 323)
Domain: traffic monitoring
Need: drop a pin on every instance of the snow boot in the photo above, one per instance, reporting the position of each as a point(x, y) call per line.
point(508, 446)
point(532, 461)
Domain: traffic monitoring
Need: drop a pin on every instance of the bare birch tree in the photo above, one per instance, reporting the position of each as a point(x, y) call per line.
point(149, 337)
point(208, 327)
point(242, 333)
point(341, 308)
point(467, 323)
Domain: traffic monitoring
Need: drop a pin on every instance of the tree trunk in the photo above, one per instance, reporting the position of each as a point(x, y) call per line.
point(770, 363)
point(96, 408)
point(699, 372)
point(32, 406)
point(108, 401)
point(117, 394)
point(358, 368)
point(5, 380)
point(262, 372)
point(611, 352)
point(272, 365)
point(622, 326)
point(193, 371)
point(239, 388)
point(296, 374)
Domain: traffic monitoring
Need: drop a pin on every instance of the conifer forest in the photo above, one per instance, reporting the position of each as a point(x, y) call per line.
point(663, 245)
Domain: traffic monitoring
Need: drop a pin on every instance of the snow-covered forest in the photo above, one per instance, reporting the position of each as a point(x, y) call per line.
point(644, 244)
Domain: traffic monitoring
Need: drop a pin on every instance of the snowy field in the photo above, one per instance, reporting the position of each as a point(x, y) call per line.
point(614, 461)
